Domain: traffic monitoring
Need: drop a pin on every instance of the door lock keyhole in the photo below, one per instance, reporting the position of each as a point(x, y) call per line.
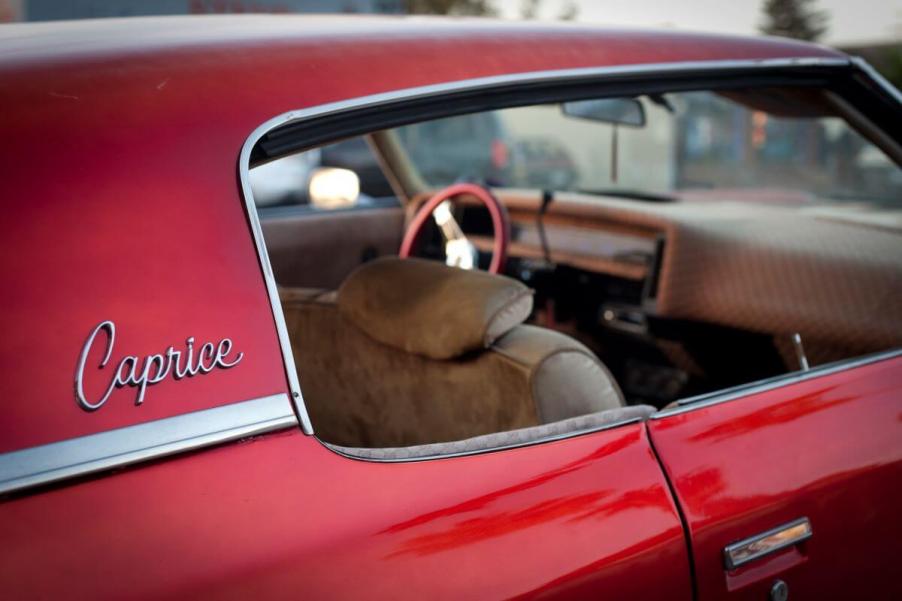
point(779, 591)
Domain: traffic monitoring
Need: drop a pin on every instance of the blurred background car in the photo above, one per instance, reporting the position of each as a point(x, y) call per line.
point(546, 164)
point(474, 147)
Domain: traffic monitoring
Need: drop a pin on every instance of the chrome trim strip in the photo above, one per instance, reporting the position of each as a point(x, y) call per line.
point(554, 438)
point(482, 83)
point(291, 372)
point(124, 446)
point(743, 390)
point(755, 547)
point(877, 78)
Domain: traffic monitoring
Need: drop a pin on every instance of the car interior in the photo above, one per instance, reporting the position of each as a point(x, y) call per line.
point(527, 297)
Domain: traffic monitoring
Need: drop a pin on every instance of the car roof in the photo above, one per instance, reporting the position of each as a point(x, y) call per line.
point(193, 36)
point(260, 66)
point(222, 76)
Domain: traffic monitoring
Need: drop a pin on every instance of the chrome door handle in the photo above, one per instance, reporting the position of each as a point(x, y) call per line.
point(755, 547)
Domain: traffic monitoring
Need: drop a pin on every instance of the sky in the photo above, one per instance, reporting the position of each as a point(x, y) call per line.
point(850, 20)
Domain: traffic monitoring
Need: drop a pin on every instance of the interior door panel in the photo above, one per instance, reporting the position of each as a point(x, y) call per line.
point(826, 449)
point(310, 249)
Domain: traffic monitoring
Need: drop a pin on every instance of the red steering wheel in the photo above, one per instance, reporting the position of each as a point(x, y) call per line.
point(500, 222)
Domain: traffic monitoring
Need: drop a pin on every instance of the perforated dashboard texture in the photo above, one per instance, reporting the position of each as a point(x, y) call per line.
point(834, 278)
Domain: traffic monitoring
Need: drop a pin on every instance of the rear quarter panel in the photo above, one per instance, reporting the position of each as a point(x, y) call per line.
point(281, 516)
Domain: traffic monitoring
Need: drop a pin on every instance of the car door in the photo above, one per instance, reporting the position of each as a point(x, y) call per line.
point(315, 241)
point(798, 480)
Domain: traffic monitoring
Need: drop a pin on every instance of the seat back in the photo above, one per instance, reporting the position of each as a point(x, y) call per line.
point(370, 377)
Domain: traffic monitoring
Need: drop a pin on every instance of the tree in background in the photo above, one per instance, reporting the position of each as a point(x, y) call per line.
point(529, 9)
point(892, 68)
point(477, 8)
point(794, 19)
point(569, 11)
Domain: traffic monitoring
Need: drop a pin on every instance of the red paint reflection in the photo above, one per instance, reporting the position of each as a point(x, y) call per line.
point(467, 532)
point(570, 508)
point(583, 582)
point(482, 501)
point(790, 410)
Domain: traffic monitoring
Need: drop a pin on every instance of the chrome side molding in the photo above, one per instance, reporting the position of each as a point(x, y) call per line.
point(743, 390)
point(151, 440)
point(750, 549)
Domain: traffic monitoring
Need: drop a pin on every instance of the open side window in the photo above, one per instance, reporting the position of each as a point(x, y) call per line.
point(653, 225)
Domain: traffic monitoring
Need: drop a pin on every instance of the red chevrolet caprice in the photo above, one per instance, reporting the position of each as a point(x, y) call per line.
point(642, 340)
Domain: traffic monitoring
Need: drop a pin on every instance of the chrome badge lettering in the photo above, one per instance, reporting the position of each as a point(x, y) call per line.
point(152, 369)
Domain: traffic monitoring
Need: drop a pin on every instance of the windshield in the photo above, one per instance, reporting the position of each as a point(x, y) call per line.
point(777, 145)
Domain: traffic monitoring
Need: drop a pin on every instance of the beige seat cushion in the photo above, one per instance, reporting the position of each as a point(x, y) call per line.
point(363, 393)
point(430, 309)
point(566, 379)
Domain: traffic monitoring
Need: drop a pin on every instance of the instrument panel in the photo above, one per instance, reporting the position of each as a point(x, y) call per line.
point(605, 248)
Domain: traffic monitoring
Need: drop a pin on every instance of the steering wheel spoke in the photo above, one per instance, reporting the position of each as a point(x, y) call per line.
point(459, 251)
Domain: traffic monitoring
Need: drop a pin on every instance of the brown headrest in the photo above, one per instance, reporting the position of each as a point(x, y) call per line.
point(427, 308)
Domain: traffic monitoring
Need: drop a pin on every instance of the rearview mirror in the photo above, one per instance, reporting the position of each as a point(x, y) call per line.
point(616, 111)
point(333, 188)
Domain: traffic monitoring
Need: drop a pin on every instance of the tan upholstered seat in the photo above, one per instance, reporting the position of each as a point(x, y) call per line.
point(413, 352)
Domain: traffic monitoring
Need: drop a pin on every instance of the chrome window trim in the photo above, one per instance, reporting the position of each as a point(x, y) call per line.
point(743, 390)
point(507, 447)
point(56, 461)
point(590, 74)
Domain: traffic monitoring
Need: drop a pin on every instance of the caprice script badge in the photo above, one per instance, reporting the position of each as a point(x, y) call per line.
point(152, 369)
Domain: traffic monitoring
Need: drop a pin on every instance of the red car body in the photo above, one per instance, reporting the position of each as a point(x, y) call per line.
point(121, 143)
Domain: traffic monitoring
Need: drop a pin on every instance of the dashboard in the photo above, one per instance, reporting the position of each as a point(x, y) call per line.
point(617, 250)
point(755, 267)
